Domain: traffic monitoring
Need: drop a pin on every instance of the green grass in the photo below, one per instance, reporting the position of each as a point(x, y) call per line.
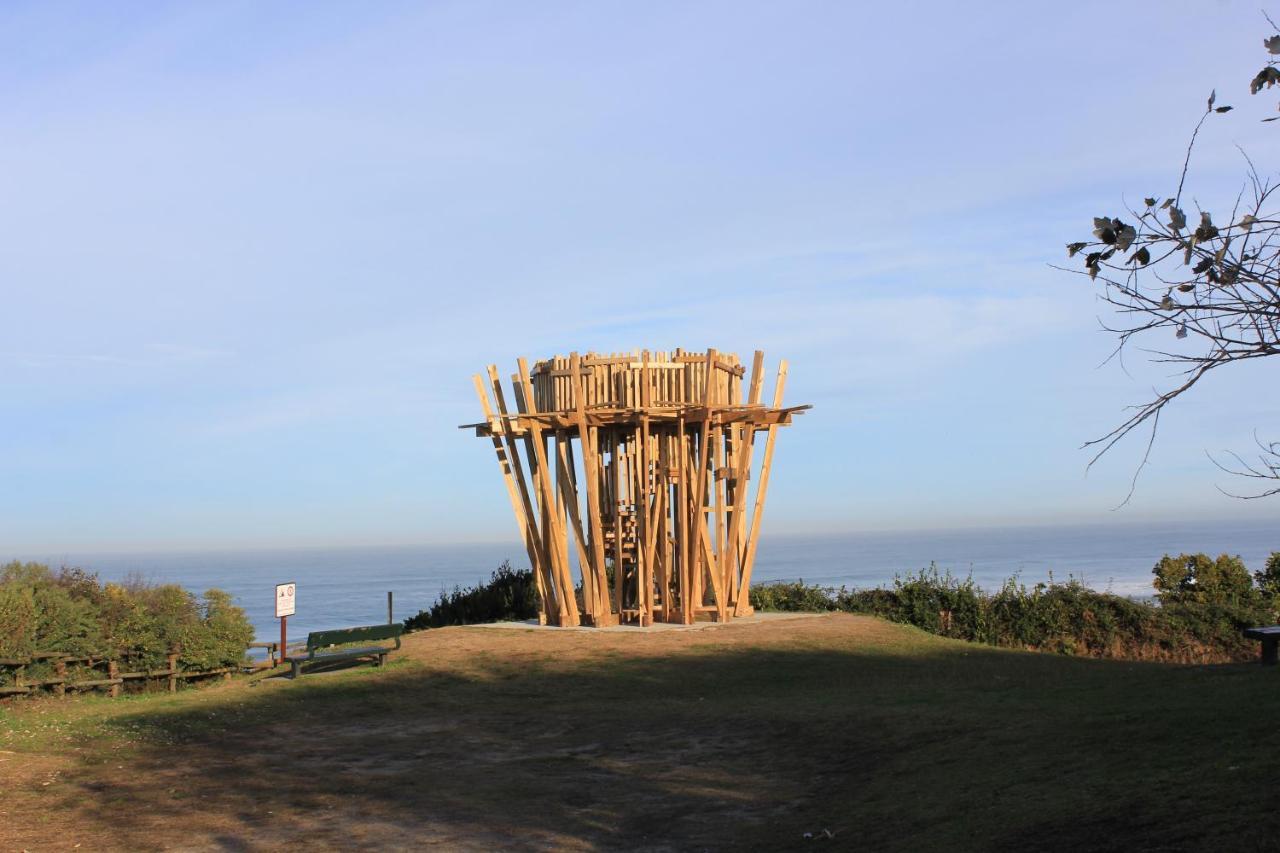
point(885, 736)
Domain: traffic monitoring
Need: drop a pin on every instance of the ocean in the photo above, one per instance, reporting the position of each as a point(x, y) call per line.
point(339, 587)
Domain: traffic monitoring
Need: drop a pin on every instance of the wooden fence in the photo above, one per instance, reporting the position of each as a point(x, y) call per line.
point(113, 678)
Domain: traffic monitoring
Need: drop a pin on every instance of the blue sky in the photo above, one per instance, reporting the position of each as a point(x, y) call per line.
point(251, 254)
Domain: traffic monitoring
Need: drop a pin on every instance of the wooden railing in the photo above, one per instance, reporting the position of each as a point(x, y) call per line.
point(59, 681)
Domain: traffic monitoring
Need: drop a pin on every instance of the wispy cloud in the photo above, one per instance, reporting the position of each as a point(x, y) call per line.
point(187, 352)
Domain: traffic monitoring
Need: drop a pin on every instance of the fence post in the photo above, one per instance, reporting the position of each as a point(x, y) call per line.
point(60, 672)
point(113, 672)
point(173, 671)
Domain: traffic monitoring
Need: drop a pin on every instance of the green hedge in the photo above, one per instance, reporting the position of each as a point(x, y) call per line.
point(134, 622)
point(1202, 607)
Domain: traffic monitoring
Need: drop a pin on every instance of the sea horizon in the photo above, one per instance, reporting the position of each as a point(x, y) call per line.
point(346, 585)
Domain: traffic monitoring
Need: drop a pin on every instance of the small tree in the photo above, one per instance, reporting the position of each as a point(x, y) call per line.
point(1205, 282)
point(1198, 578)
point(1268, 580)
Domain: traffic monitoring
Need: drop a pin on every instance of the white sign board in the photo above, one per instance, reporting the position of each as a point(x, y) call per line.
point(285, 599)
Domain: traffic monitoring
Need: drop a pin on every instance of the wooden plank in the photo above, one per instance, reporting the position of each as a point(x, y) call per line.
point(619, 468)
point(98, 682)
point(722, 530)
point(591, 474)
point(541, 558)
point(568, 609)
point(553, 442)
point(699, 518)
point(518, 497)
point(644, 548)
point(744, 605)
point(745, 451)
point(567, 478)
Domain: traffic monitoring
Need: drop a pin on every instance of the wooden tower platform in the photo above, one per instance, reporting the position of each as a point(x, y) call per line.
point(636, 467)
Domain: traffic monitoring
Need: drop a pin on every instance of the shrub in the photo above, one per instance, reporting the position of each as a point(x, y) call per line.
point(1203, 607)
point(132, 622)
point(792, 596)
point(510, 595)
point(39, 612)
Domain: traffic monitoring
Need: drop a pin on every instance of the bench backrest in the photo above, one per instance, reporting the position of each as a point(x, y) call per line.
point(364, 634)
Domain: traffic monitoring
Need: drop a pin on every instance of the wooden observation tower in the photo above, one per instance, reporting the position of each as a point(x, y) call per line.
point(636, 467)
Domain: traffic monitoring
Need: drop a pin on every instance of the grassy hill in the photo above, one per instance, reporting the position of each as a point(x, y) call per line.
point(854, 731)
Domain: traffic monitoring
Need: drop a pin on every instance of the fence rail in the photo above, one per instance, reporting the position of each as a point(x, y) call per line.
point(113, 683)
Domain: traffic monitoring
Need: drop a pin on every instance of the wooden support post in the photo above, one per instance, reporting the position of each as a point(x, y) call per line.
point(644, 550)
point(113, 673)
point(619, 473)
point(748, 559)
point(1268, 654)
point(699, 517)
point(567, 499)
point(517, 492)
point(746, 448)
point(568, 607)
point(60, 673)
point(719, 477)
point(567, 478)
point(591, 473)
point(172, 661)
point(552, 608)
point(681, 513)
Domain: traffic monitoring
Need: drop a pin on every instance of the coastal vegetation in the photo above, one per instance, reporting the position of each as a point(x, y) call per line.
point(71, 612)
point(1201, 607)
point(510, 595)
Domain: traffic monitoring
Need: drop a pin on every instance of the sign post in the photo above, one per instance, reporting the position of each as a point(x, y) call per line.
point(286, 600)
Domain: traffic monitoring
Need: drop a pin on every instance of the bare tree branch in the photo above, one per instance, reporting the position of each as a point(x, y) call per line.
point(1213, 288)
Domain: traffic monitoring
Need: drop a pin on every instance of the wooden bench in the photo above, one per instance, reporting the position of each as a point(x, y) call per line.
point(1269, 637)
point(319, 641)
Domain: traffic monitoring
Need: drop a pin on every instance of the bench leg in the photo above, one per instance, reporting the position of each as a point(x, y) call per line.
point(295, 667)
point(1269, 651)
point(382, 660)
